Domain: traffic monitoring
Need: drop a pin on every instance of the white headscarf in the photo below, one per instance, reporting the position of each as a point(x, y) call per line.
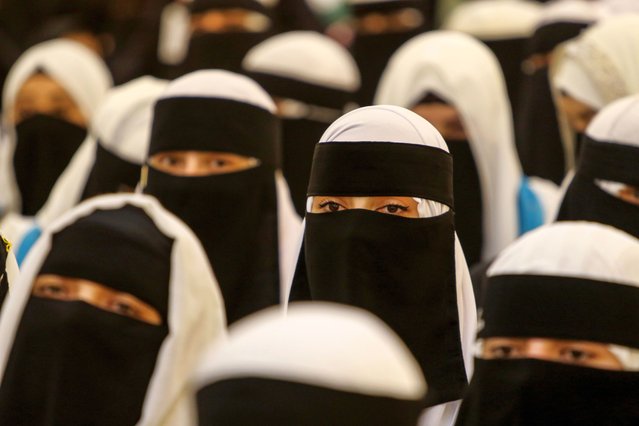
point(79, 71)
point(122, 123)
point(603, 64)
point(195, 312)
point(238, 88)
point(495, 19)
point(465, 73)
point(321, 344)
point(76, 68)
point(305, 56)
point(617, 122)
point(394, 124)
point(577, 249)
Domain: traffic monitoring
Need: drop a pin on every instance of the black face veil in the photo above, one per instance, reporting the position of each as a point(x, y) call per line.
point(44, 147)
point(73, 363)
point(372, 51)
point(586, 200)
point(401, 269)
point(223, 50)
point(235, 214)
point(572, 283)
point(535, 392)
point(538, 140)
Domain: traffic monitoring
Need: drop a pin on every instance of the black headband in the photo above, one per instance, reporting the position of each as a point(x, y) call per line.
point(548, 36)
point(213, 124)
point(609, 161)
point(200, 6)
point(285, 87)
point(385, 6)
point(561, 307)
point(245, 401)
point(382, 168)
point(121, 249)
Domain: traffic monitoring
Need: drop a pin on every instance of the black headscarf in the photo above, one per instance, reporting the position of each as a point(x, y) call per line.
point(73, 363)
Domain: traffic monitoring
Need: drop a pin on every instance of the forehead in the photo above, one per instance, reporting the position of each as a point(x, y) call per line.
point(41, 84)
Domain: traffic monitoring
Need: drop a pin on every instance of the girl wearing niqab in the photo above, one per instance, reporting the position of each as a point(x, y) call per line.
point(222, 31)
point(379, 235)
point(605, 185)
point(48, 100)
point(538, 140)
point(557, 342)
point(320, 364)
point(312, 80)
point(381, 27)
point(213, 161)
point(111, 157)
point(114, 307)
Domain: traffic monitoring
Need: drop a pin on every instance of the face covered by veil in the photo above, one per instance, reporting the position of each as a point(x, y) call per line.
point(115, 304)
point(605, 186)
point(214, 162)
point(557, 342)
point(380, 235)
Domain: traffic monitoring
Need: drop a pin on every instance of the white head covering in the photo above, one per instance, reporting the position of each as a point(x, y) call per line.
point(621, 6)
point(617, 122)
point(306, 56)
point(228, 85)
point(195, 311)
point(322, 344)
point(390, 123)
point(495, 19)
point(122, 124)
point(603, 64)
point(465, 73)
point(581, 250)
point(78, 70)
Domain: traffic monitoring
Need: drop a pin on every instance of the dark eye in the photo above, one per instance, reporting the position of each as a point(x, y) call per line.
point(393, 208)
point(575, 355)
point(54, 291)
point(331, 206)
point(124, 308)
point(219, 162)
point(502, 351)
point(170, 161)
